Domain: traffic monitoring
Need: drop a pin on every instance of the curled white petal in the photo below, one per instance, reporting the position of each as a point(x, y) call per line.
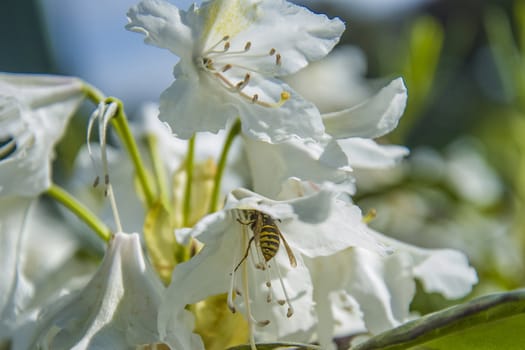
point(367, 154)
point(372, 118)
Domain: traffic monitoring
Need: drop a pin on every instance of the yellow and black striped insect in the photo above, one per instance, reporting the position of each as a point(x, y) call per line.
point(266, 235)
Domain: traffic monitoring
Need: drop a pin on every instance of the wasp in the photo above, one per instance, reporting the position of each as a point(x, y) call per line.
point(266, 234)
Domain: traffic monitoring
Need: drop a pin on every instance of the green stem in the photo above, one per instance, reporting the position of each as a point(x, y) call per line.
point(92, 93)
point(234, 131)
point(158, 168)
point(189, 179)
point(120, 123)
point(82, 212)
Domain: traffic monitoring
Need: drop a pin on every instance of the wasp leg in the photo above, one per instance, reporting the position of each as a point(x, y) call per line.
point(245, 254)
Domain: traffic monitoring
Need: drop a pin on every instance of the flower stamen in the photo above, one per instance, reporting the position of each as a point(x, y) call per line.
point(211, 58)
point(290, 311)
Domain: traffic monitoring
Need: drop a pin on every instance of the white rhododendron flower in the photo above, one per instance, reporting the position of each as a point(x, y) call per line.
point(34, 112)
point(117, 309)
point(231, 52)
point(275, 288)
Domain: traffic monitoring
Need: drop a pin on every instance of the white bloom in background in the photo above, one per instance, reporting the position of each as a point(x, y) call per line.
point(382, 286)
point(34, 112)
point(276, 292)
point(335, 82)
point(231, 52)
point(117, 309)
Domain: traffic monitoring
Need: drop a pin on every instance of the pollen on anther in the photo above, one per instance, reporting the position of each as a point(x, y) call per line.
point(278, 59)
point(285, 96)
point(226, 46)
point(272, 52)
point(281, 302)
point(290, 312)
point(247, 46)
point(226, 67)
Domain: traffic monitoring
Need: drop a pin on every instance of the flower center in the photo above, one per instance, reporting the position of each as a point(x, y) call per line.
point(221, 62)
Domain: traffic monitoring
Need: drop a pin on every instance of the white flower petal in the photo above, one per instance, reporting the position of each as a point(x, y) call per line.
point(367, 154)
point(299, 288)
point(373, 118)
point(190, 105)
point(444, 271)
point(272, 164)
point(117, 309)
point(15, 290)
point(34, 112)
point(163, 24)
point(299, 35)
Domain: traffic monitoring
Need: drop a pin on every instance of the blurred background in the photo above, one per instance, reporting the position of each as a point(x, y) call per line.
point(463, 62)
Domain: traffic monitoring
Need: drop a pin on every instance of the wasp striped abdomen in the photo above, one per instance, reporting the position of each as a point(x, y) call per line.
point(269, 237)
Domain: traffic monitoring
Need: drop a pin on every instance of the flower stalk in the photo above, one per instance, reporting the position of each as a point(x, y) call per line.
point(120, 123)
point(234, 131)
point(81, 211)
point(189, 179)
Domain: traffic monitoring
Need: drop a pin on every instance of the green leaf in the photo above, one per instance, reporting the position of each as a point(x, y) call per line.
point(490, 322)
point(269, 346)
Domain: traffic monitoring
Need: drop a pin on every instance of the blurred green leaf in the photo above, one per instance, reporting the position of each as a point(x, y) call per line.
point(490, 322)
point(269, 346)
point(509, 61)
point(425, 44)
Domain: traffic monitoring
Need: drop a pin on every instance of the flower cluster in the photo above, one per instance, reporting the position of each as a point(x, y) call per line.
point(240, 188)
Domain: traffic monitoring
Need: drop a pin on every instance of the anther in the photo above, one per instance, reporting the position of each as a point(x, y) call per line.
point(226, 37)
point(278, 59)
point(226, 67)
point(238, 292)
point(96, 182)
point(226, 46)
point(281, 302)
point(268, 284)
point(263, 323)
point(290, 312)
point(370, 215)
point(269, 298)
point(272, 52)
point(232, 308)
point(247, 45)
point(106, 179)
point(255, 97)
